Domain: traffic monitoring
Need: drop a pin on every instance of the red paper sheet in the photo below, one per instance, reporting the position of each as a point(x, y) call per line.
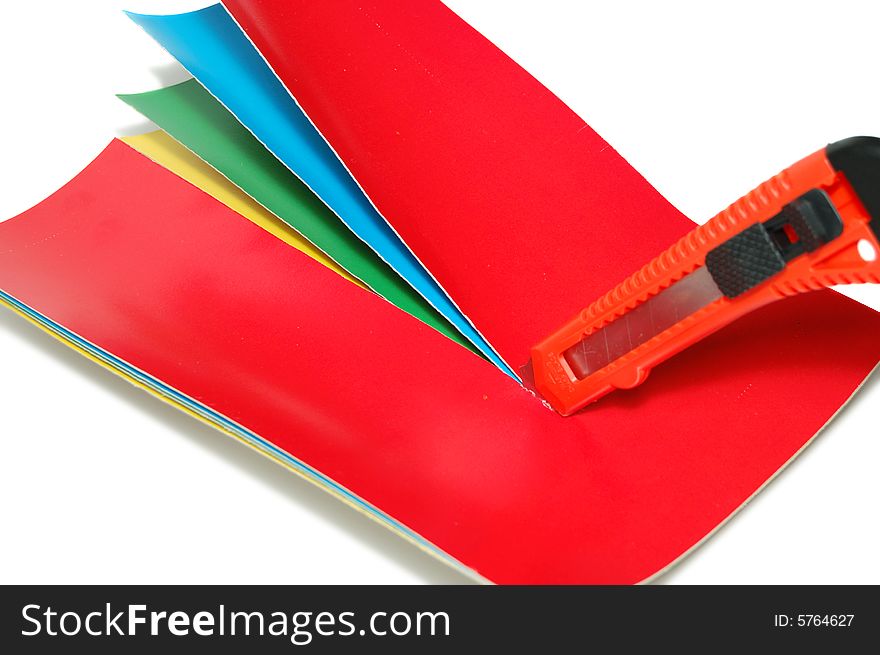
point(147, 267)
point(519, 209)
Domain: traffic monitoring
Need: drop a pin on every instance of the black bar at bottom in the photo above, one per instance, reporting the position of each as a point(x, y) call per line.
point(436, 619)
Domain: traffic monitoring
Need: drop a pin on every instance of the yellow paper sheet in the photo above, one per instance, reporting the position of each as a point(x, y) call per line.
point(168, 153)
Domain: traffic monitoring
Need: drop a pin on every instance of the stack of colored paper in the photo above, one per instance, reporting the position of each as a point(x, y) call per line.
point(354, 223)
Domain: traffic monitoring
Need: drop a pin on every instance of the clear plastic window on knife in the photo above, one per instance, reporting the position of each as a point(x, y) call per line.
point(639, 325)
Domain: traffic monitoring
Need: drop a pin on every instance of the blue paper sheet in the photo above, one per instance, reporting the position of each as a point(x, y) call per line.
point(211, 46)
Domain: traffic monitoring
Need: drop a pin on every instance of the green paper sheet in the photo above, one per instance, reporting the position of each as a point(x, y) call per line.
point(197, 120)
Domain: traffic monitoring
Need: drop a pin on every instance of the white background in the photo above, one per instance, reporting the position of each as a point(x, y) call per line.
point(101, 483)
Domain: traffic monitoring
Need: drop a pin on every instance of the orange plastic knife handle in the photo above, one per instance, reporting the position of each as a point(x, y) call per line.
point(852, 182)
